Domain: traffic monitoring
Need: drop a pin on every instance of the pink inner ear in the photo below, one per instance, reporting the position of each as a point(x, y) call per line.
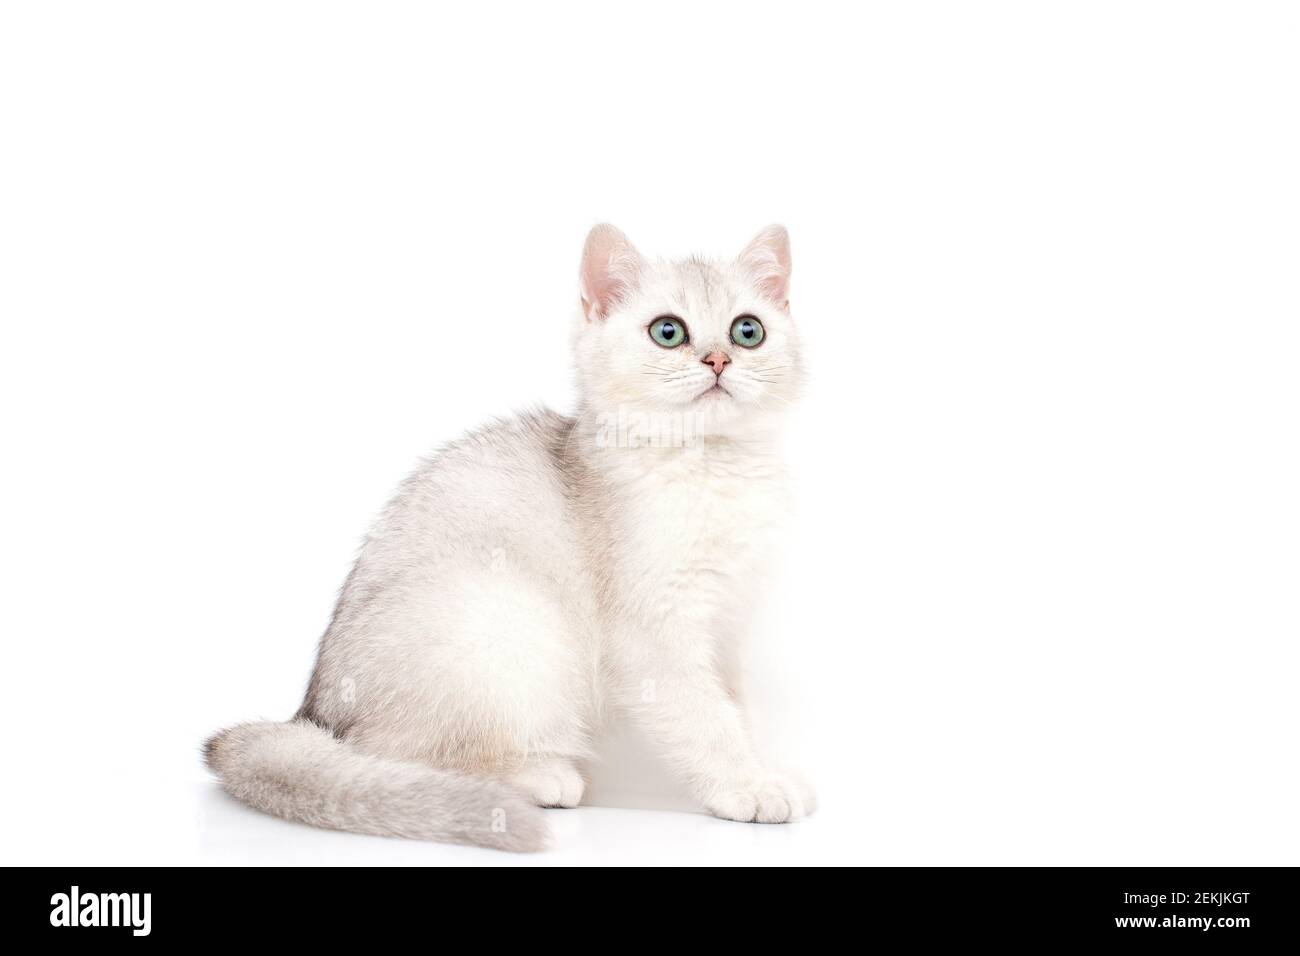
point(610, 267)
point(767, 257)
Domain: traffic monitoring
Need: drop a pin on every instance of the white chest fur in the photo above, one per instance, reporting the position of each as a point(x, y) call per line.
point(691, 523)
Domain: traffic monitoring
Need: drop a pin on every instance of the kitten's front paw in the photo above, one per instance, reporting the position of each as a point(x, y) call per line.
point(773, 799)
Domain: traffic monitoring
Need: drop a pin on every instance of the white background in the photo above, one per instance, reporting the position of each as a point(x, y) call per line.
point(1042, 607)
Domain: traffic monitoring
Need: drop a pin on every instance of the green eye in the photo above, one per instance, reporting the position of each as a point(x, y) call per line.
point(668, 331)
point(747, 331)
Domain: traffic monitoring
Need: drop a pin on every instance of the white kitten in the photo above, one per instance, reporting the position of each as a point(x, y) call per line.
point(543, 569)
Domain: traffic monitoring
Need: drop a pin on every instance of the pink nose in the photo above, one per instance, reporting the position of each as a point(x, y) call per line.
point(718, 360)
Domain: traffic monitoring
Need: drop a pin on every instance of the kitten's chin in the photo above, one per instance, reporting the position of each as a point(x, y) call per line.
point(718, 411)
point(714, 393)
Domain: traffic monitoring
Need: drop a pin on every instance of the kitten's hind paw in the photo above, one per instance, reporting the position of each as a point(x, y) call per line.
point(549, 781)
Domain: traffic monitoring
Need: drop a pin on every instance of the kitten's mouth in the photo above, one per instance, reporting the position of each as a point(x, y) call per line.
point(716, 390)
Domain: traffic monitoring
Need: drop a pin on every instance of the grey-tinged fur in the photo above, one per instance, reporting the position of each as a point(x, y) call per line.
point(299, 771)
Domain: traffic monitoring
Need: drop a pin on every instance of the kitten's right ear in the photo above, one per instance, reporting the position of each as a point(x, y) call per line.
point(611, 267)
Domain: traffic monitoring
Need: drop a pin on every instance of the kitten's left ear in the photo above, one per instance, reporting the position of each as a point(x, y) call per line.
point(767, 257)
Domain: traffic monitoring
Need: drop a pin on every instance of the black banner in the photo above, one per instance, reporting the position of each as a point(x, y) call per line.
point(1223, 907)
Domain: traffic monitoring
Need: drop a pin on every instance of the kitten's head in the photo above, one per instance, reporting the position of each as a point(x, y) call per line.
point(709, 340)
